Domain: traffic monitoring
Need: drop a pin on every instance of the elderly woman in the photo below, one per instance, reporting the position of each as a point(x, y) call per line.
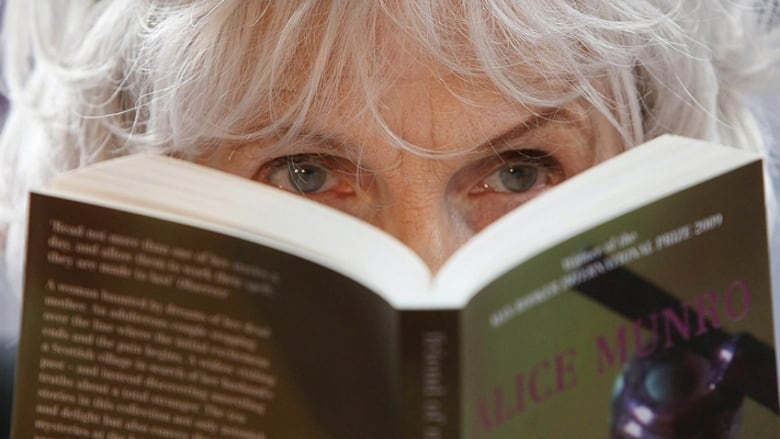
point(414, 116)
point(427, 119)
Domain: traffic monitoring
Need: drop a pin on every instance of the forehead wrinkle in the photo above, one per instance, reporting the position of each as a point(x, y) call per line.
point(440, 122)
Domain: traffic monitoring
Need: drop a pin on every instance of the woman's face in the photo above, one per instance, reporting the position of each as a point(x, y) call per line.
point(489, 156)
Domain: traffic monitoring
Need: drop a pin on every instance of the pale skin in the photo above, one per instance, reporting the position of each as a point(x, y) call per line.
point(504, 155)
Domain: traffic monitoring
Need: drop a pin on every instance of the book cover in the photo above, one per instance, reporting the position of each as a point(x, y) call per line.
point(633, 329)
point(139, 327)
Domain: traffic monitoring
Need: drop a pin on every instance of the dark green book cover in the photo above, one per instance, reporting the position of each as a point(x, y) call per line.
point(631, 324)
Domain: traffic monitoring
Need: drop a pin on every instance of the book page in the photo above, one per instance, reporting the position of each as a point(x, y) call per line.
point(137, 327)
point(653, 324)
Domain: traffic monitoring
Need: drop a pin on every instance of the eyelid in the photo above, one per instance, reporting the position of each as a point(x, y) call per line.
point(543, 159)
point(495, 161)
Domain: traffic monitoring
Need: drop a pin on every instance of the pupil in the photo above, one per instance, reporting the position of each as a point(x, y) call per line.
point(306, 178)
point(518, 177)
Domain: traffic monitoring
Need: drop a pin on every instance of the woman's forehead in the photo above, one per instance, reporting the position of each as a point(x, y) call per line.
point(452, 131)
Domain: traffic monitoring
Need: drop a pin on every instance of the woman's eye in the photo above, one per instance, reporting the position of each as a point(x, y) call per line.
point(521, 172)
point(306, 174)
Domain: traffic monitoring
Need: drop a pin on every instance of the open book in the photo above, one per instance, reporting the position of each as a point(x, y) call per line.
point(164, 299)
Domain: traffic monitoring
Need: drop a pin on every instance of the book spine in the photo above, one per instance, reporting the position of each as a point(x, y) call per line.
point(430, 374)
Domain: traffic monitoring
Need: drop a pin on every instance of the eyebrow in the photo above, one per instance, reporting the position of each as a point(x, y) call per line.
point(536, 120)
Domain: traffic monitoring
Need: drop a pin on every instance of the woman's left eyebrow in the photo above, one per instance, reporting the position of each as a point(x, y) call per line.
point(534, 121)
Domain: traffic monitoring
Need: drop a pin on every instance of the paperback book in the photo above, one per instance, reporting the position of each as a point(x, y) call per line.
point(168, 300)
